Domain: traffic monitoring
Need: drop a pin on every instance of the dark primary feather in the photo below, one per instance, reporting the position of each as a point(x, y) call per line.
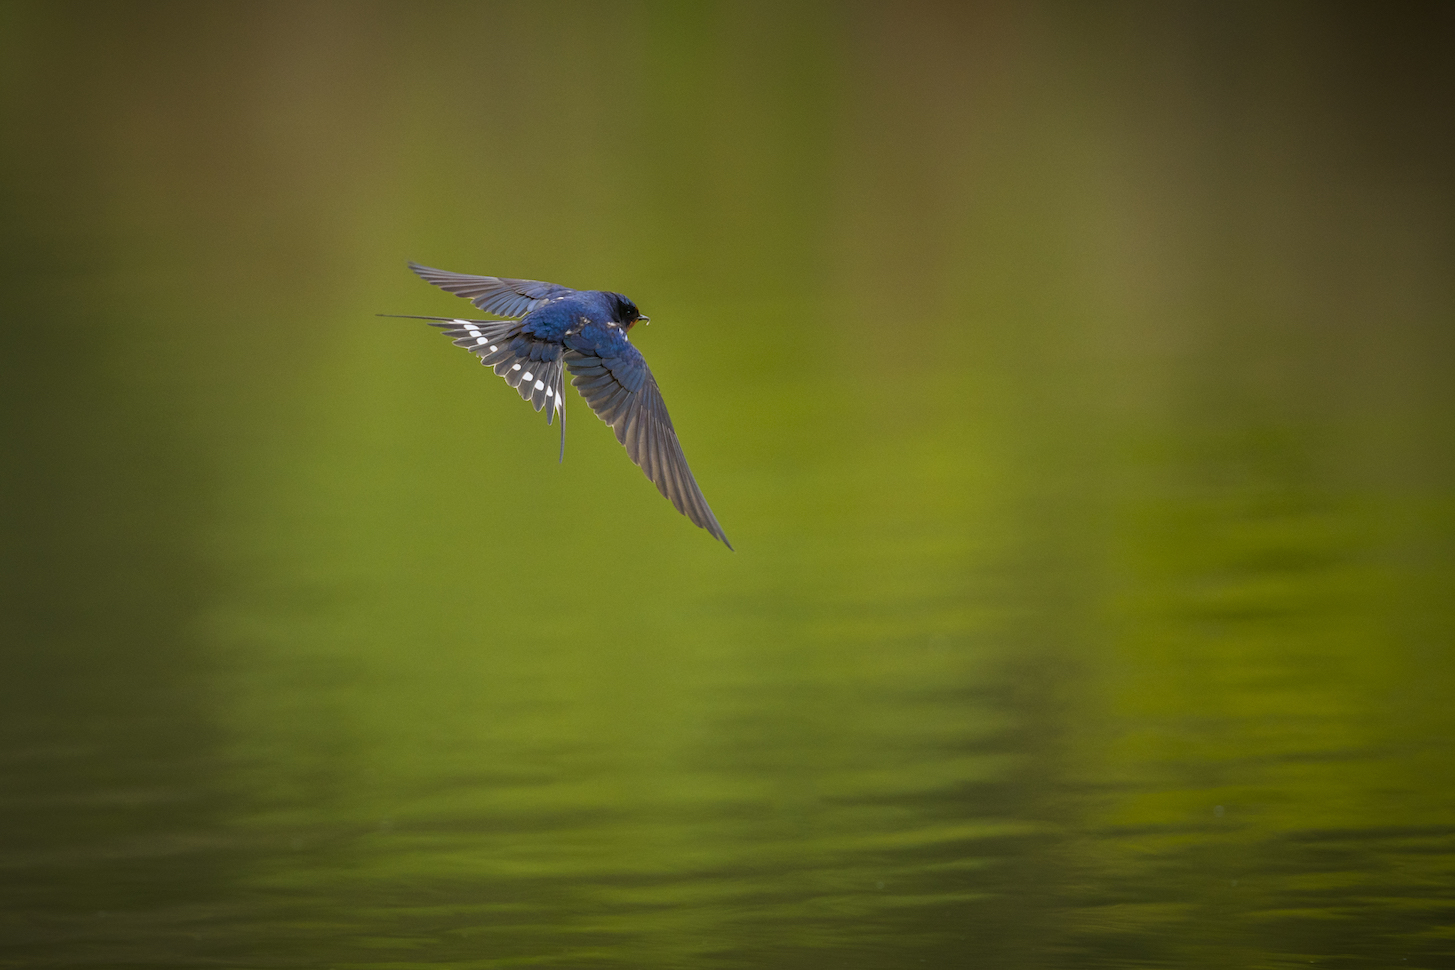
point(623, 393)
point(493, 294)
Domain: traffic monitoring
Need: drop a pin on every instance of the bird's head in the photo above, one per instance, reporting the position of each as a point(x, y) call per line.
point(626, 312)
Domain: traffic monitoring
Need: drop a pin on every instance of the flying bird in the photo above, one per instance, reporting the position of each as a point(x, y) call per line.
point(549, 330)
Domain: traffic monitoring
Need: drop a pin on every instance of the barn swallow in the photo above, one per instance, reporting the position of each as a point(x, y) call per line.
point(548, 330)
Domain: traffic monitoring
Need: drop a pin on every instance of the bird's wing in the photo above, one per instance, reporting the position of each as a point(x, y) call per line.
point(623, 393)
point(493, 294)
point(533, 367)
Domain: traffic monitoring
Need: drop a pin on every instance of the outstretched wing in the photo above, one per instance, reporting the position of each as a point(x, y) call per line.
point(493, 294)
point(623, 393)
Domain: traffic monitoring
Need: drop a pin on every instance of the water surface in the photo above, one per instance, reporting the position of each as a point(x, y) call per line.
point(1074, 385)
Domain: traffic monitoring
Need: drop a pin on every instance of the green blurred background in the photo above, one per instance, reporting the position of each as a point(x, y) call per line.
point(1076, 382)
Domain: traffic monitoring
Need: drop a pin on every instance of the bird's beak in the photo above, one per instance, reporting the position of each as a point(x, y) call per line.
point(644, 320)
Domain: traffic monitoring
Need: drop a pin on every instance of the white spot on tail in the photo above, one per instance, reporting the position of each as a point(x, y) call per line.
point(539, 385)
point(480, 340)
point(548, 392)
point(528, 375)
point(493, 348)
point(516, 367)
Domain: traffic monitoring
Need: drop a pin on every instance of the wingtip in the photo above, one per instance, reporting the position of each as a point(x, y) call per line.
point(713, 529)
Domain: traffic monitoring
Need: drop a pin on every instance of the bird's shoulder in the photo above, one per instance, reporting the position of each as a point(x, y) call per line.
point(604, 337)
point(554, 319)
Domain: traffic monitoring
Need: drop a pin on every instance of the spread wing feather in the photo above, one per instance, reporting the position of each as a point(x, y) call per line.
point(623, 393)
point(494, 294)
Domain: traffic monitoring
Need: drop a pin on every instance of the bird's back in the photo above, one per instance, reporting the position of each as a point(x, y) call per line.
point(585, 308)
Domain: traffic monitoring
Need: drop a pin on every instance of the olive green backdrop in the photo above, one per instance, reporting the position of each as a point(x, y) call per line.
point(1077, 385)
